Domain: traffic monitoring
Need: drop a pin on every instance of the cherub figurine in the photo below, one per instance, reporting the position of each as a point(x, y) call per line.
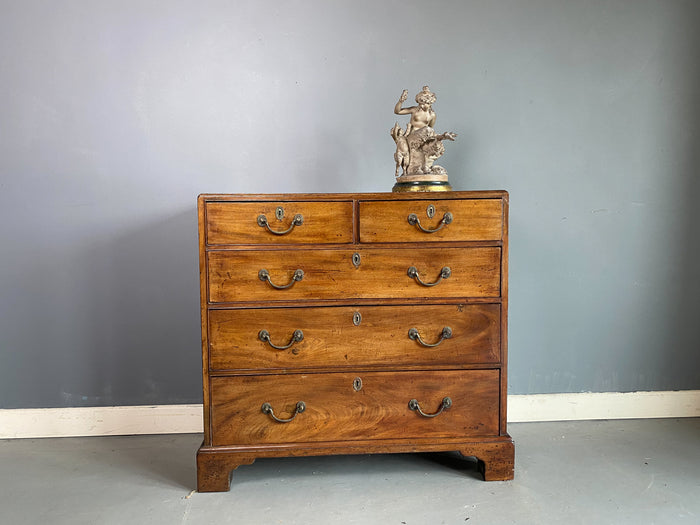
point(419, 146)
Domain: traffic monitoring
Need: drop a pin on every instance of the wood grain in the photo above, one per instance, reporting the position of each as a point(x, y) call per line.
point(504, 320)
point(330, 274)
point(473, 220)
point(236, 222)
point(335, 411)
point(331, 338)
point(204, 317)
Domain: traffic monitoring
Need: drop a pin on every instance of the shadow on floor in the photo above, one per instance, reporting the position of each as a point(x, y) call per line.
point(170, 460)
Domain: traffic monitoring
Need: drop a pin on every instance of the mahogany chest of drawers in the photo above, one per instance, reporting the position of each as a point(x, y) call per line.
point(353, 324)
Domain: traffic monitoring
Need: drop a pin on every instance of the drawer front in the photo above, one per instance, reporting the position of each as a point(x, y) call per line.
point(454, 220)
point(333, 274)
point(240, 222)
point(335, 409)
point(330, 337)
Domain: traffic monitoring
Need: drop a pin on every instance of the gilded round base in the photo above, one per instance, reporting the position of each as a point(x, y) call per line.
point(401, 187)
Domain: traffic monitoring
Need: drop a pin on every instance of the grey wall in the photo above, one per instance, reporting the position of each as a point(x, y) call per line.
point(114, 115)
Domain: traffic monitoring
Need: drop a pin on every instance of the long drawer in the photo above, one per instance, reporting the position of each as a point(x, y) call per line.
point(284, 275)
point(328, 337)
point(346, 406)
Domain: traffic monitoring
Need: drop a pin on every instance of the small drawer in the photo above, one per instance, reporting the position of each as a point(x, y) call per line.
point(354, 336)
point(369, 273)
point(293, 222)
point(311, 408)
point(430, 221)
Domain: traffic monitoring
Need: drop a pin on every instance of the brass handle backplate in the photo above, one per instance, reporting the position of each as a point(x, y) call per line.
point(298, 220)
point(414, 405)
point(413, 220)
point(413, 335)
point(444, 274)
point(297, 337)
point(264, 275)
point(267, 409)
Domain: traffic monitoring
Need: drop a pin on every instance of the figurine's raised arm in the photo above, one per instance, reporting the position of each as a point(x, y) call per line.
point(421, 115)
point(403, 111)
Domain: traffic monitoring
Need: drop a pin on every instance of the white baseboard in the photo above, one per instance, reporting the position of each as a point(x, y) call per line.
point(181, 419)
point(603, 405)
point(100, 421)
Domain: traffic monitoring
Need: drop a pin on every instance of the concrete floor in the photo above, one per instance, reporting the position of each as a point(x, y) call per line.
point(617, 472)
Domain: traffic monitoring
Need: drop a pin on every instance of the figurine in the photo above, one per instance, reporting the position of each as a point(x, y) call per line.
point(419, 146)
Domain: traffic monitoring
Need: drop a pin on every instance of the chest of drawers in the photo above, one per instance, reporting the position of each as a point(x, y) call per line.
point(353, 324)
